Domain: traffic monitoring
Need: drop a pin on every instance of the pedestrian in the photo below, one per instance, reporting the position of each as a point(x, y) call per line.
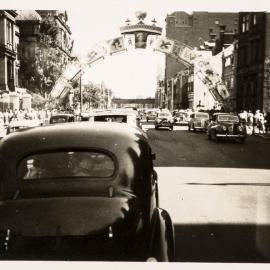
point(267, 123)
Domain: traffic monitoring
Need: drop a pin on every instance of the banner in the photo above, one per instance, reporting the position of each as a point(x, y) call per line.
point(116, 45)
point(58, 87)
point(129, 41)
point(187, 53)
point(164, 45)
point(98, 52)
point(151, 41)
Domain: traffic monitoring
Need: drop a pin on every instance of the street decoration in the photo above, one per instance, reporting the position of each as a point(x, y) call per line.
point(143, 36)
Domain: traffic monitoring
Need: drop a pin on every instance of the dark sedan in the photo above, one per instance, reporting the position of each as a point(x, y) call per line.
point(226, 126)
point(81, 192)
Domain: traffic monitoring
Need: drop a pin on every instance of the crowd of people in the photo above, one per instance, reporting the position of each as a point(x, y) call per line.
point(258, 122)
point(10, 115)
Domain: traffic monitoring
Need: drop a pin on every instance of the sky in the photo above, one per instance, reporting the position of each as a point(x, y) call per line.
point(133, 73)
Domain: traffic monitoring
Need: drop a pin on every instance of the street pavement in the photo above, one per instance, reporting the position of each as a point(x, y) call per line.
point(218, 195)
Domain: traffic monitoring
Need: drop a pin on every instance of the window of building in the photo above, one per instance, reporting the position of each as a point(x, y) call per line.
point(217, 21)
point(9, 34)
point(245, 23)
point(254, 19)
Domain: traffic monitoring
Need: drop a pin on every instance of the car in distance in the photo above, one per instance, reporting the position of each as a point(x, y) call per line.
point(61, 118)
point(151, 115)
point(226, 126)
point(181, 118)
point(198, 121)
point(81, 192)
point(164, 119)
point(118, 116)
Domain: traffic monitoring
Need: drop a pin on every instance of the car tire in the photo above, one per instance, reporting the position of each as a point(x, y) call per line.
point(171, 128)
point(156, 127)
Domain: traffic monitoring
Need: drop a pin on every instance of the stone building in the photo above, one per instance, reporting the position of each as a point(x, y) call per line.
point(8, 50)
point(45, 48)
point(253, 69)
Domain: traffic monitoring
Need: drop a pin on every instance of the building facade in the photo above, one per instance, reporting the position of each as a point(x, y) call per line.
point(8, 50)
point(196, 30)
point(45, 48)
point(253, 68)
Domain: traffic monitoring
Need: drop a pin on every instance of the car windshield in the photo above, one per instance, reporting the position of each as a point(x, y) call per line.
point(202, 115)
point(164, 115)
point(65, 164)
point(59, 119)
point(231, 118)
point(111, 118)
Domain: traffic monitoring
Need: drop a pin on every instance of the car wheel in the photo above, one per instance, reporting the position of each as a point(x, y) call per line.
point(156, 127)
point(171, 128)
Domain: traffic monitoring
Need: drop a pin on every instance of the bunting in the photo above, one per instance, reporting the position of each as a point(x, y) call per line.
point(164, 45)
point(116, 45)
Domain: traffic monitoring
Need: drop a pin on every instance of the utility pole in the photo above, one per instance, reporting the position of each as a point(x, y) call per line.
point(81, 96)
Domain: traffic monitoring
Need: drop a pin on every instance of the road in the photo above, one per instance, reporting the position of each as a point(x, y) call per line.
point(218, 195)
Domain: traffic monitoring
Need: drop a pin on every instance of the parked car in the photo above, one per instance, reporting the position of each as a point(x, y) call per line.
point(119, 116)
point(151, 115)
point(181, 118)
point(226, 126)
point(198, 121)
point(62, 118)
point(21, 124)
point(81, 192)
point(164, 119)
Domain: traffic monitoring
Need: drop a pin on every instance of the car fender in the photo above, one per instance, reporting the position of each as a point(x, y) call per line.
point(162, 246)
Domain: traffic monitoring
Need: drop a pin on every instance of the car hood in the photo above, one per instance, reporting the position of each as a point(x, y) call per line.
point(67, 215)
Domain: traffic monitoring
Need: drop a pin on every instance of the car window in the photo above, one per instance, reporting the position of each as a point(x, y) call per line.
point(228, 118)
point(164, 115)
point(59, 119)
point(111, 118)
point(65, 164)
point(200, 115)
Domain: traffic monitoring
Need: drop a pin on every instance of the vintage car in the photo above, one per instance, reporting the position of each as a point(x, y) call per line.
point(181, 118)
point(226, 126)
point(119, 116)
point(198, 121)
point(20, 124)
point(164, 119)
point(81, 192)
point(61, 118)
point(151, 115)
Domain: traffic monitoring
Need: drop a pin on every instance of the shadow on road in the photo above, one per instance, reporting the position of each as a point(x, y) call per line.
point(222, 243)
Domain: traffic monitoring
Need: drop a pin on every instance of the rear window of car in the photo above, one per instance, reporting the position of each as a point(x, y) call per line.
point(200, 115)
point(164, 115)
point(63, 164)
point(228, 118)
point(59, 119)
point(111, 118)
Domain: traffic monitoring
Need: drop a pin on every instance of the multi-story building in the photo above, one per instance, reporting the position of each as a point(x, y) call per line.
point(8, 50)
point(45, 48)
point(194, 30)
point(253, 68)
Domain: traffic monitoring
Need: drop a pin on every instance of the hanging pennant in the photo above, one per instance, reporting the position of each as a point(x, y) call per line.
point(164, 45)
point(116, 45)
point(98, 52)
point(129, 41)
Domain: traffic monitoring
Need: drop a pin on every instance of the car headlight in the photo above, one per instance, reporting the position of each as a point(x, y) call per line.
point(224, 128)
point(158, 120)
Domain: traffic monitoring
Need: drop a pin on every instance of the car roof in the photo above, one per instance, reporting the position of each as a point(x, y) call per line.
point(62, 114)
point(127, 145)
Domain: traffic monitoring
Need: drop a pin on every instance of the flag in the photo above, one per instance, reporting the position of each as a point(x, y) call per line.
point(186, 53)
point(151, 41)
point(129, 41)
point(164, 45)
point(116, 45)
point(98, 52)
